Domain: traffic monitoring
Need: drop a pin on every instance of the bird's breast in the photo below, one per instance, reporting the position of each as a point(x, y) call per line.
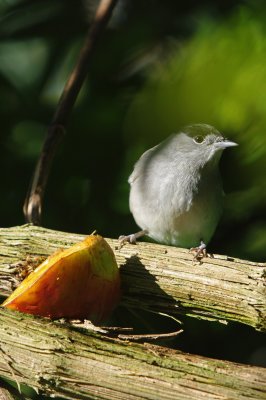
point(177, 210)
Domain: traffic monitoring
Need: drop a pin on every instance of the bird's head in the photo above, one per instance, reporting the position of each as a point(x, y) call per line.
point(202, 142)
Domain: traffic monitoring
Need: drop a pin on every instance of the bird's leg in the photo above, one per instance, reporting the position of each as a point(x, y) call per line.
point(131, 238)
point(200, 251)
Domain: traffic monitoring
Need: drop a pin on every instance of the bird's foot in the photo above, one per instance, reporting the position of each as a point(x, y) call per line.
point(132, 239)
point(200, 252)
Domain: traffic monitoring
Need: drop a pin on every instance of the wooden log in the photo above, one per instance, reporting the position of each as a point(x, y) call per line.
point(61, 361)
point(155, 277)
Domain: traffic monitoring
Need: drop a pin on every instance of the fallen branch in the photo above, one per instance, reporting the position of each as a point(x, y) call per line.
point(158, 278)
point(61, 361)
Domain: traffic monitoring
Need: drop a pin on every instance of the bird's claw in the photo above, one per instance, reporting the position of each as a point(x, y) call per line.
point(200, 252)
point(132, 238)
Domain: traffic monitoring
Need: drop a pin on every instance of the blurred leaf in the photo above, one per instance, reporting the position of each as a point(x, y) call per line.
point(22, 62)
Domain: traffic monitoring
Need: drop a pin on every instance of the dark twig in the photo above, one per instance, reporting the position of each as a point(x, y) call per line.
point(33, 203)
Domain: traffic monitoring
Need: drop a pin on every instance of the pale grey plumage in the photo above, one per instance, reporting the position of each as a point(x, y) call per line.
point(176, 191)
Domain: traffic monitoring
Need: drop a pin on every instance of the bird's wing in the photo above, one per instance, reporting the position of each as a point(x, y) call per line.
point(141, 165)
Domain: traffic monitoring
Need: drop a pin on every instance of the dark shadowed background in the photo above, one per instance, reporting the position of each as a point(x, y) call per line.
point(160, 65)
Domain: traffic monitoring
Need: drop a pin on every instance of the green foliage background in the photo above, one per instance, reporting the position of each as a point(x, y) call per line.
point(159, 65)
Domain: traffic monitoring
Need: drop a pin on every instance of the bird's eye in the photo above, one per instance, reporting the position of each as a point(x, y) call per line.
point(198, 139)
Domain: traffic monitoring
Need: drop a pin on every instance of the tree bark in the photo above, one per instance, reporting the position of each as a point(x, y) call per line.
point(75, 363)
point(154, 277)
point(61, 361)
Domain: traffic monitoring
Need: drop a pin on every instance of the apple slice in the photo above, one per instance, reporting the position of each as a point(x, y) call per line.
point(82, 282)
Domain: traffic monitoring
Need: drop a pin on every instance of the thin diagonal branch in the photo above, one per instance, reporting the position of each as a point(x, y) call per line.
point(33, 203)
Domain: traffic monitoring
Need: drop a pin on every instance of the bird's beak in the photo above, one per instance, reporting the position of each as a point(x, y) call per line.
point(224, 144)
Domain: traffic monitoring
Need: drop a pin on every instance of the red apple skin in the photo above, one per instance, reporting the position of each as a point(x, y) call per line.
point(81, 282)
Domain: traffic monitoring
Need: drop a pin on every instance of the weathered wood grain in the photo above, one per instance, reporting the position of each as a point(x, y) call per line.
point(58, 360)
point(155, 277)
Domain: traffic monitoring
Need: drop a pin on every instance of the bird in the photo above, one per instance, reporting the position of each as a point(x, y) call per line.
point(176, 193)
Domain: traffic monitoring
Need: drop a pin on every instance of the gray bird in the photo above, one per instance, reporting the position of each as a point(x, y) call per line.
point(176, 193)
